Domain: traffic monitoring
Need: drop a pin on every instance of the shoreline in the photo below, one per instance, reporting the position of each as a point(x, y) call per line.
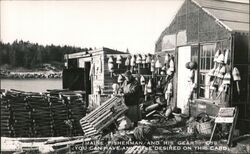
point(31, 74)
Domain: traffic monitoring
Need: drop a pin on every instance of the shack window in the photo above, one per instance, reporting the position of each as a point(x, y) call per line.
point(207, 52)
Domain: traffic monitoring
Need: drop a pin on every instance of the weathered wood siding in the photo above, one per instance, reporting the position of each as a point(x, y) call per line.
point(199, 26)
point(241, 60)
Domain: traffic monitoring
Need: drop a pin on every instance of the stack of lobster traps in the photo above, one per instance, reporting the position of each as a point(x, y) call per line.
point(21, 115)
point(95, 122)
point(41, 116)
point(6, 117)
point(54, 113)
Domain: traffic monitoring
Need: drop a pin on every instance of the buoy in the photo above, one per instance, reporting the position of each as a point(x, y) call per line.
point(127, 62)
point(221, 73)
point(171, 65)
point(111, 67)
point(110, 60)
point(167, 58)
point(226, 56)
point(236, 78)
point(149, 86)
point(115, 87)
point(148, 59)
point(120, 79)
point(118, 60)
point(138, 59)
point(158, 65)
point(227, 79)
point(220, 59)
point(132, 61)
point(218, 52)
point(142, 80)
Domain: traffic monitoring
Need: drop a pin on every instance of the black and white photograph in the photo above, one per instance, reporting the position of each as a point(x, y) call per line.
point(125, 76)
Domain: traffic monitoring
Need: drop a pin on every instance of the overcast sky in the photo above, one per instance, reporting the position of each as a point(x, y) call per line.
point(135, 25)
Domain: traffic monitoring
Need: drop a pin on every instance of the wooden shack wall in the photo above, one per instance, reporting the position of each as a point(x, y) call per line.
point(241, 60)
point(98, 72)
point(199, 26)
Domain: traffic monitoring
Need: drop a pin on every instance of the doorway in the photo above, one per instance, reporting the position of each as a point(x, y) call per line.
point(184, 56)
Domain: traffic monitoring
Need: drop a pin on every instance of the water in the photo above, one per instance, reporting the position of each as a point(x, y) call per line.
point(31, 85)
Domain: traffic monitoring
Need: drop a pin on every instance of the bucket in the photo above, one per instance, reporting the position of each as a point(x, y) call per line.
point(204, 128)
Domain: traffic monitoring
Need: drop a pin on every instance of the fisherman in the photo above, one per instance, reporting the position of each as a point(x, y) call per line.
point(132, 92)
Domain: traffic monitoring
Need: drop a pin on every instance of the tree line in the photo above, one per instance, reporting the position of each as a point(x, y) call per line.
point(31, 55)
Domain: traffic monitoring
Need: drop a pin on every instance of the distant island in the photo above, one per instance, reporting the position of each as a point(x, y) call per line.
point(23, 59)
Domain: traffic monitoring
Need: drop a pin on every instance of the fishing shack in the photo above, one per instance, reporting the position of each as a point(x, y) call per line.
point(89, 71)
point(214, 36)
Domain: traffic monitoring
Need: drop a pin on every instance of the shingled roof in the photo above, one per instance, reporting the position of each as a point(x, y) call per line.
point(233, 15)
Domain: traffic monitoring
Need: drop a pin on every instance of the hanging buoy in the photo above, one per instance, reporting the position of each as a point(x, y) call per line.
point(143, 59)
point(226, 56)
point(158, 65)
point(118, 60)
point(220, 59)
point(221, 73)
point(167, 58)
point(120, 79)
point(138, 59)
point(226, 81)
point(110, 60)
point(236, 78)
point(152, 69)
point(111, 67)
point(132, 61)
point(149, 86)
point(115, 87)
point(218, 52)
point(142, 80)
point(169, 88)
point(171, 65)
point(148, 59)
point(127, 62)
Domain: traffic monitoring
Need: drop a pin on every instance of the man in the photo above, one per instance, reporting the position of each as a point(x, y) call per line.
point(132, 92)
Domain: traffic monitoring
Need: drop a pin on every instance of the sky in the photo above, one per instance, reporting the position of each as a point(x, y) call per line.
point(121, 24)
point(135, 25)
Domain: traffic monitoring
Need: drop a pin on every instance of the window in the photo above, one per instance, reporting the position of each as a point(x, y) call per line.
point(207, 52)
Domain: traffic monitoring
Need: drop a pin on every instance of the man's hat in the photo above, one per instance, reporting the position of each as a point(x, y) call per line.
point(176, 112)
point(127, 73)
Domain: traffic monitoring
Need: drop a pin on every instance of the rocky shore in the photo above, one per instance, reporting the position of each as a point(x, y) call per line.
point(31, 75)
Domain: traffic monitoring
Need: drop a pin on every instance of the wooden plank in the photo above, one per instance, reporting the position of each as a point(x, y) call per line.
point(232, 127)
point(224, 120)
point(100, 108)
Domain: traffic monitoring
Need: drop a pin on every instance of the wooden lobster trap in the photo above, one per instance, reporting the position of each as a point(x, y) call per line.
point(93, 123)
